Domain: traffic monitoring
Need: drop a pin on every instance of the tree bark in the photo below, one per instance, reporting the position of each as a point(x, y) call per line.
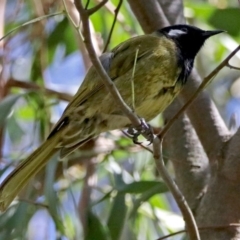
point(204, 154)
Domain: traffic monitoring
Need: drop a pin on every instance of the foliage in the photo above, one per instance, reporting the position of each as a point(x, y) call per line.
point(128, 200)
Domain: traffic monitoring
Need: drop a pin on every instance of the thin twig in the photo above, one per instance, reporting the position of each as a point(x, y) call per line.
point(201, 229)
point(113, 24)
point(37, 204)
point(84, 201)
point(68, 14)
point(204, 83)
point(87, 4)
point(96, 8)
point(99, 68)
point(132, 80)
point(120, 18)
point(31, 22)
point(33, 86)
point(140, 144)
point(74, 18)
point(232, 67)
point(173, 234)
point(178, 196)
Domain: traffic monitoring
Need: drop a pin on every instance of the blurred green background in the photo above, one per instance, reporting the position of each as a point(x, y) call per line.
point(110, 187)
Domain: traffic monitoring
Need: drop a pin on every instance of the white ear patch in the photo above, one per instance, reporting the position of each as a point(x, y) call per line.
point(176, 32)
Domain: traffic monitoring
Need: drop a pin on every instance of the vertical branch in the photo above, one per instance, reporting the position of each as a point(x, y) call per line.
point(182, 203)
point(84, 201)
point(73, 14)
point(189, 160)
point(113, 25)
point(101, 71)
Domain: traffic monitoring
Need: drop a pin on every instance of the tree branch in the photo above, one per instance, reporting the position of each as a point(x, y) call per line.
point(96, 8)
point(98, 66)
point(120, 18)
point(191, 166)
point(204, 83)
point(84, 201)
point(150, 15)
point(113, 24)
point(182, 204)
point(33, 86)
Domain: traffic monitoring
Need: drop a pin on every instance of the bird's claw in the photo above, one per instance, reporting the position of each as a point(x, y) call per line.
point(143, 129)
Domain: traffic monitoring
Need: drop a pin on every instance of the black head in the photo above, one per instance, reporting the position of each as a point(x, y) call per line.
point(189, 39)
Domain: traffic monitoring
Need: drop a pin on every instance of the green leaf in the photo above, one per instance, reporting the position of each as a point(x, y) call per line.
point(30, 22)
point(117, 216)
point(51, 195)
point(143, 186)
point(95, 228)
point(200, 10)
point(62, 34)
point(14, 129)
point(118, 179)
point(157, 189)
point(120, 154)
point(106, 196)
point(15, 220)
point(6, 106)
point(124, 142)
point(69, 226)
point(231, 21)
point(26, 112)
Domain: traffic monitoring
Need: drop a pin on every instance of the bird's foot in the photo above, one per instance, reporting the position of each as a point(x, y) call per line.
point(143, 129)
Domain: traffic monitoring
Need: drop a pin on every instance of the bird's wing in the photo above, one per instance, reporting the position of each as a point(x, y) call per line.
point(116, 63)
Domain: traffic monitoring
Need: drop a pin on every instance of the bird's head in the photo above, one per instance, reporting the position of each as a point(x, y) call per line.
point(189, 39)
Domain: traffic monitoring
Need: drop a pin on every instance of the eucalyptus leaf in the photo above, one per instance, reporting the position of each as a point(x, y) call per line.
point(231, 21)
point(95, 228)
point(146, 196)
point(14, 129)
point(117, 216)
point(143, 186)
point(51, 195)
point(6, 106)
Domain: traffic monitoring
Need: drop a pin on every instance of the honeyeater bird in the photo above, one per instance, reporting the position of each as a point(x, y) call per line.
point(157, 67)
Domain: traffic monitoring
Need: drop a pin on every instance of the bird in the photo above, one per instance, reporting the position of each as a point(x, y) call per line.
point(157, 64)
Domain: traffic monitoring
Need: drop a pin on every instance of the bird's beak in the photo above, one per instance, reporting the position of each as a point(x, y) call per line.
point(208, 34)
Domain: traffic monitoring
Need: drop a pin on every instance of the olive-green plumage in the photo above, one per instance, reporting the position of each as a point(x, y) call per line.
point(161, 69)
point(95, 103)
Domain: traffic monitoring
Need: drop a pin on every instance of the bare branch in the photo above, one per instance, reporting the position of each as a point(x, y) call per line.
point(191, 165)
point(96, 8)
point(232, 67)
point(232, 225)
point(150, 14)
point(34, 203)
point(74, 18)
point(102, 73)
point(182, 204)
point(84, 200)
point(113, 24)
point(120, 18)
point(33, 86)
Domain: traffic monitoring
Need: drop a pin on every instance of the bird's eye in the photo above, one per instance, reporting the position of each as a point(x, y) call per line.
point(184, 30)
point(177, 32)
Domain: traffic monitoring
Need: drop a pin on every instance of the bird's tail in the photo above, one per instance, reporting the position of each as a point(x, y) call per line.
point(19, 177)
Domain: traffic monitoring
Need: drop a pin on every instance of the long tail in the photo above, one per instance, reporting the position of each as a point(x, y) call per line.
point(19, 177)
